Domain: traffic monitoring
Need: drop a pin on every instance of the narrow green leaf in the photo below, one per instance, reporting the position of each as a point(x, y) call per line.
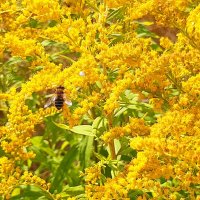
point(116, 14)
point(99, 125)
point(39, 143)
point(30, 192)
point(30, 58)
point(38, 68)
point(14, 60)
point(62, 126)
point(120, 111)
point(82, 129)
point(86, 148)
point(133, 107)
point(16, 192)
point(92, 6)
point(134, 194)
point(96, 124)
point(62, 171)
point(47, 43)
point(52, 23)
point(99, 156)
point(33, 23)
point(72, 190)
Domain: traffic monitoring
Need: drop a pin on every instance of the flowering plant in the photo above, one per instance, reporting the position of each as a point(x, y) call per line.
point(130, 70)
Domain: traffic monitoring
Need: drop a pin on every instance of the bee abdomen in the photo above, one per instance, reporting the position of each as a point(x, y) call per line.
point(59, 103)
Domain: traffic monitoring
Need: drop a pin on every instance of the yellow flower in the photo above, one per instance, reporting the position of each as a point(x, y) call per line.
point(193, 24)
point(4, 96)
point(165, 42)
point(134, 127)
point(43, 10)
point(102, 55)
point(93, 174)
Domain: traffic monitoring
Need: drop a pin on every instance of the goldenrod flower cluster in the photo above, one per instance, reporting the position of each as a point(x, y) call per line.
point(134, 128)
point(98, 51)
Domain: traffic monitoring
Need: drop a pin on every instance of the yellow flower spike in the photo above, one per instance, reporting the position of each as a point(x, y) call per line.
point(170, 148)
point(43, 10)
point(4, 96)
point(71, 198)
point(134, 127)
point(165, 42)
point(193, 24)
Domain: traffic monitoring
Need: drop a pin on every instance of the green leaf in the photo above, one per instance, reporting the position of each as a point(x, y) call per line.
point(99, 84)
point(39, 143)
point(62, 126)
point(30, 192)
point(142, 31)
point(100, 157)
point(14, 60)
point(47, 43)
point(134, 194)
point(117, 145)
point(99, 125)
point(16, 192)
point(96, 124)
point(62, 171)
point(133, 107)
point(120, 111)
point(2, 152)
point(86, 148)
point(72, 191)
point(81, 197)
point(115, 38)
point(37, 68)
point(81, 129)
point(54, 56)
point(116, 14)
point(33, 23)
point(92, 6)
point(30, 58)
point(130, 95)
point(52, 23)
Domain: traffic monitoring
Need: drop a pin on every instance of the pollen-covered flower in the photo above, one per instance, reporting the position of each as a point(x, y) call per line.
point(135, 127)
point(43, 10)
point(165, 42)
point(93, 174)
point(193, 24)
point(97, 51)
point(4, 96)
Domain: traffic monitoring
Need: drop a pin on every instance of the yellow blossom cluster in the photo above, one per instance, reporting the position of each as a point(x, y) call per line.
point(193, 24)
point(4, 96)
point(98, 51)
point(42, 10)
point(134, 128)
point(93, 174)
point(85, 106)
point(22, 47)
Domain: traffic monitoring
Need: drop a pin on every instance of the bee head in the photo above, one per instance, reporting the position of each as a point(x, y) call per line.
point(60, 87)
point(60, 90)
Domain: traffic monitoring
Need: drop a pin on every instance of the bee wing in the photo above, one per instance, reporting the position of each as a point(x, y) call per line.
point(50, 101)
point(67, 101)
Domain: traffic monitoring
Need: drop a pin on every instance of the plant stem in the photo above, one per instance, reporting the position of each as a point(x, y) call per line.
point(112, 150)
point(111, 143)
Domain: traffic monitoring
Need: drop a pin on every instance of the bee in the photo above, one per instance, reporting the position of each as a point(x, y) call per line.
point(58, 99)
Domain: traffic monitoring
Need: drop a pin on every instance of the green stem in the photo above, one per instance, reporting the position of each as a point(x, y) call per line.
point(67, 58)
point(112, 149)
point(111, 144)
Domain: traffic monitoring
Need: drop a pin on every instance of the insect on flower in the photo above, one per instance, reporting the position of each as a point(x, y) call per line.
point(58, 99)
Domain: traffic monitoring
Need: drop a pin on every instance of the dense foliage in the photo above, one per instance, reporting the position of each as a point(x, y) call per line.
point(131, 70)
